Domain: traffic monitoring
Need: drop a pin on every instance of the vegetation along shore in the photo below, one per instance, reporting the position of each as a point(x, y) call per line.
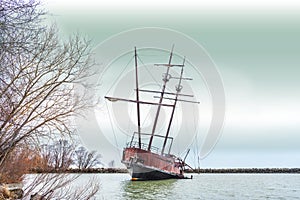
point(204, 170)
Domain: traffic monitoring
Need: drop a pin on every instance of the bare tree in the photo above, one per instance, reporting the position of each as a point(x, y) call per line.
point(85, 159)
point(38, 73)
point(37, 77)
point(58, 156)
point(20, 24)
point(21, 160)
point(59, 186)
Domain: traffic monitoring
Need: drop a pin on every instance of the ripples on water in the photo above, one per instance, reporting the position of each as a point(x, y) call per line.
point(202, 186)
point(147, 189)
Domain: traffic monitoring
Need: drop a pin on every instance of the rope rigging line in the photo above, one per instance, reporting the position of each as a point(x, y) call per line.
point(147, 116)
point(196, 139)
point(130, 124)
point(111, 124)
point(120, 75)
point(154, 79)
point(148, 70)
point(157, 82)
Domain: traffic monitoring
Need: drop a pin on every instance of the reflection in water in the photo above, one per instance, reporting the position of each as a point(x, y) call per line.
point(148, 189)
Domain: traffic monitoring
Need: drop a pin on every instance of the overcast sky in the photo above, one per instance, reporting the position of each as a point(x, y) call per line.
point(255, 47)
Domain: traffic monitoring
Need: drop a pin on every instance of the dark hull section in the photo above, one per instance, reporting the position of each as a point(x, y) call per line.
point(139, 172)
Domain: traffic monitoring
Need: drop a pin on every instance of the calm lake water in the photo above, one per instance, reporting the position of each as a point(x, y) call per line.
point(202, 186)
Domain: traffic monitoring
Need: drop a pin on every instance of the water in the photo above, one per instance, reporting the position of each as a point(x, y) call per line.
point(202, 186)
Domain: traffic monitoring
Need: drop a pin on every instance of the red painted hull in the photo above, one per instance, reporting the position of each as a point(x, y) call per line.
point(146, 165)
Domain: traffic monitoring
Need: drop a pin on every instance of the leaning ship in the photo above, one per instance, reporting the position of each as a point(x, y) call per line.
point(143, 160)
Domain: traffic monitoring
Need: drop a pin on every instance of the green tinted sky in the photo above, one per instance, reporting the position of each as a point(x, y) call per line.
point(257, 53)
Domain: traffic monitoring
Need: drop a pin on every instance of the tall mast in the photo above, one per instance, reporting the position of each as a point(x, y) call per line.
point(137, 98)
point(166, 79)
point(178, 89)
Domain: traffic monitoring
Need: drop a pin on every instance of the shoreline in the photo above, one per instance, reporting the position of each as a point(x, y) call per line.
point(245, 170)
point(200, 171)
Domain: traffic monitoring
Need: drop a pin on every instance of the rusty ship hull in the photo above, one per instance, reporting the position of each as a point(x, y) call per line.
point(146, 165)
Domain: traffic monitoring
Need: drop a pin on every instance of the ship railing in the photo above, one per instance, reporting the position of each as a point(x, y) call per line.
point(134, 143)
point(144, 146)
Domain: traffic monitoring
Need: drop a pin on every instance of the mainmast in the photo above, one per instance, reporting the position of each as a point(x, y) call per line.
point(178, 90)
point(166, 79)
point(137, 98)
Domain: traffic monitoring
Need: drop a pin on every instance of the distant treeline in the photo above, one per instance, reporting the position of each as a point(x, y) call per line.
point(245, 170)
point(204, 170)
